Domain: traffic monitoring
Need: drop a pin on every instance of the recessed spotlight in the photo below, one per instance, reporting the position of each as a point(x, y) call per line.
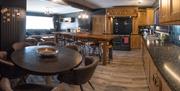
point(140, 1)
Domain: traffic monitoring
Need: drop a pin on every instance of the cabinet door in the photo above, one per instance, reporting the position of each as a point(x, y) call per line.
point(155, 81)
point(175, 10)
point(147, 65)
point(150, 16)
point(165, 87)
point(135, 41)
point(98, 25)
point(109, 25)
point(142, 18)
point(164, 11)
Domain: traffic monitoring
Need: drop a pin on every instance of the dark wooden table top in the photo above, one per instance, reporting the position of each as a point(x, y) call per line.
point(100, 37)
point(29, 60)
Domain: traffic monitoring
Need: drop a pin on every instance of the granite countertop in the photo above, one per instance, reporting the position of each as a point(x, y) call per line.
point(166, 57)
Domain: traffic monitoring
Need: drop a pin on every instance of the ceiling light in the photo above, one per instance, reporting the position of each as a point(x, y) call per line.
point(54, 0)
point(83, 16)
point(140, 1)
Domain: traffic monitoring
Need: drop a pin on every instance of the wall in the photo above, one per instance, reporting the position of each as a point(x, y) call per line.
point(85, 23)
point(82, 23)
point(175, 34)
point(12, 25)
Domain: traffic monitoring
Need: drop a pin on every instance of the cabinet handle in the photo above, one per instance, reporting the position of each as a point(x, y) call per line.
point(156, 80)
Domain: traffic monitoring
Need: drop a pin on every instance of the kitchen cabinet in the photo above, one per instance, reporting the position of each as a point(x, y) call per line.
point(149, 16)
point(169, 11)
point(142, 17)
point(154, 79)
point(98, 25)
point(146, 16)
point(164, 11)
point(135, 41)
point(122, 11)
point(175, 10)
point(146, 61)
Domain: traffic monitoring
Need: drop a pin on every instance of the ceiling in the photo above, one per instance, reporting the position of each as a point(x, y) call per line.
point(110, 3)
point(43, 6)
point(65, 6)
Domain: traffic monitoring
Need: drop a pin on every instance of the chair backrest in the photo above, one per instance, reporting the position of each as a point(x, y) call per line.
point(32, 87)
point(84, 73)
point(74, 47)
point(50, 43)
point(31, 41)
point(19, 45)
point(3, 55)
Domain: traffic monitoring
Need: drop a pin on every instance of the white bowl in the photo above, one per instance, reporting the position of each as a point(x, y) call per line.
point(47, 51)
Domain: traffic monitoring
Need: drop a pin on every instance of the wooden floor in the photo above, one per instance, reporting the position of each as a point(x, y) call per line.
point(125, 73)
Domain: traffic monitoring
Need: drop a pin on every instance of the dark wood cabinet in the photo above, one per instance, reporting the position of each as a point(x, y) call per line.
point(169, 11)
point(154, 79)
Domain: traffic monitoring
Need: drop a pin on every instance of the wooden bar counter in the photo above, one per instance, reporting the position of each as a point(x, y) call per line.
point(101, 38)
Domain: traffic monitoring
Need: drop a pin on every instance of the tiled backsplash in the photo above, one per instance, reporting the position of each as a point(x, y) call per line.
point(172, 31)
point(175, 34)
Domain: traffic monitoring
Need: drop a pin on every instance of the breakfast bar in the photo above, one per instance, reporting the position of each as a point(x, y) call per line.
point(105, 40)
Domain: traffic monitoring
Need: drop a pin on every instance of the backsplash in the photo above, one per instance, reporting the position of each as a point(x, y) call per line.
point(175, 34)
point(172, 33)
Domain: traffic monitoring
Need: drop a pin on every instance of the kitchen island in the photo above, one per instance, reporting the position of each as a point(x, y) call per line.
point(166, 58)
point(105, 40)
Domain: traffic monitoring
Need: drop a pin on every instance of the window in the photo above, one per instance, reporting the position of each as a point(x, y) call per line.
point(39, 22)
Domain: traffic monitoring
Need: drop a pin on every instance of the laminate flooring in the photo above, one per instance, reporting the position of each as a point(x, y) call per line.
point(124, 73)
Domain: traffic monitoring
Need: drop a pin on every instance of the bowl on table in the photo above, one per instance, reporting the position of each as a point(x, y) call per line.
point(47, 51)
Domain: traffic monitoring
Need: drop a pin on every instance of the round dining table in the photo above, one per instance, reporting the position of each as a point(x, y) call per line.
point(29, 60)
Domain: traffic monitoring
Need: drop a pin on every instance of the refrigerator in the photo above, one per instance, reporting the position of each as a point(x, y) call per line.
point(122, 26)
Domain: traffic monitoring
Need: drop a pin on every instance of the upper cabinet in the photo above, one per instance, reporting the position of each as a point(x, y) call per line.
point(122, 11)
point(175, 10)
point(150, 16)
point(98, 24)
point(146, 16)
point(169, 11)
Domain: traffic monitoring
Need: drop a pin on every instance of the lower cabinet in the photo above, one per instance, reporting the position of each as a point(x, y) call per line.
point(135, 41)
point(154, 79)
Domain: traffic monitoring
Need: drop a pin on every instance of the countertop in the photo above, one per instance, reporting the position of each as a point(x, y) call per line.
point(166, 57)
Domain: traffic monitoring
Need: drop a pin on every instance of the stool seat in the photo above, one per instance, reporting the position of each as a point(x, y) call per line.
point(32, 87)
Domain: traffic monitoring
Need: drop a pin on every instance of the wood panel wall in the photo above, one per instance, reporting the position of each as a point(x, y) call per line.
point(98, 24)
point(12, 25)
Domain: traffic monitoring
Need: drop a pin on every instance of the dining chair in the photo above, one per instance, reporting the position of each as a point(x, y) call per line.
point(8, 69)
point(31, 41)
point(73, 47)
point(19, 45)
point(50, 43)
point(32, 87)
point(79, 75)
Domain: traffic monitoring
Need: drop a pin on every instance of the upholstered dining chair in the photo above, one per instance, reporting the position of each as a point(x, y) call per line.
point(80, 75)
point(32, 87)
point(8, 69)
point(19, 45)
point(32, 41)
point(50, 43)
point(73, 47)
